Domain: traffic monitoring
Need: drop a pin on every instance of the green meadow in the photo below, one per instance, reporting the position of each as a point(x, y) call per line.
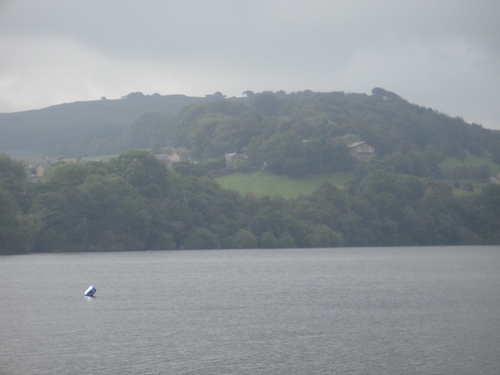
point(263, 184)
point(471, 161)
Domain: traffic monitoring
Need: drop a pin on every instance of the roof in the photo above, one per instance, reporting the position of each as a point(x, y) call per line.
point(354, 144)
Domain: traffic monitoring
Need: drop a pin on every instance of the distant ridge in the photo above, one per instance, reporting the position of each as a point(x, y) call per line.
point(99, 112)
point(84, 126)
point(213, 125)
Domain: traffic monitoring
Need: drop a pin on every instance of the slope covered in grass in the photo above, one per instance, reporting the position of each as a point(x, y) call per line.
point(471, 161)
point(263, 184)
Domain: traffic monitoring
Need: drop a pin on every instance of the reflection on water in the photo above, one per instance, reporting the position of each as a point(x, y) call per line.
point(322, 311)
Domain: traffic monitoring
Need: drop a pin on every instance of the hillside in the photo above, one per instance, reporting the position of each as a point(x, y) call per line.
point(73, 127)
point(306, 133)
point(104, 111)
point(290, 134)
point(263, 184)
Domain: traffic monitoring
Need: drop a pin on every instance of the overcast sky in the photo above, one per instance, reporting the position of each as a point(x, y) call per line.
point(443, 54)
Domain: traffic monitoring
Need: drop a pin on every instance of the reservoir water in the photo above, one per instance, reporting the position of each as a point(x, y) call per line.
point(433, 310)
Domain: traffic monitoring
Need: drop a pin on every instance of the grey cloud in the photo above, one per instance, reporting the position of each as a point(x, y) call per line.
point(443, 54)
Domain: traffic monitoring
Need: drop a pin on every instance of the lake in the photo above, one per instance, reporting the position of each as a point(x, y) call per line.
point(428, 310)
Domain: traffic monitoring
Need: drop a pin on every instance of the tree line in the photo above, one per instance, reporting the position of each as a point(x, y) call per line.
point(134, 202)
point(292, 133)
point(307, 133)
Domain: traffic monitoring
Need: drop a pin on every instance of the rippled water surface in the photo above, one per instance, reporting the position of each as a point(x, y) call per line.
point(322, 311)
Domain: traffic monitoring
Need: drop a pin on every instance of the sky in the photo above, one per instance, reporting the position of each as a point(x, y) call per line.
point(442, 54)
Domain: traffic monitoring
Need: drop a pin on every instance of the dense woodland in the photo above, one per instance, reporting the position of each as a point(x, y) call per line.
point(134, 202)
point(306, 129)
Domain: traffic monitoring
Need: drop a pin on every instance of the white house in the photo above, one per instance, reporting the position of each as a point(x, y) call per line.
point(361, 150)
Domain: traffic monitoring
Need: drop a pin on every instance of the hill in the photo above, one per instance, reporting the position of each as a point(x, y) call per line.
point(306, 133)
point(402, 195)
point(292, 134)
point(76, 128)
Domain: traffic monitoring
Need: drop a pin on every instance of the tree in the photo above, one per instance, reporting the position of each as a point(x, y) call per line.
point(64, 225)
point(141, 169)
point(202, 238)
point(244, 239)
point(216, 96)
point(186, 168)
point(266, 103)
point(70, 174)
point(14, 236)
point(134, 96)
point(88, 210)
point(268, 241)
point(12, 178)
point(117, 215)
point(333, 195)
point(268, 219)
point(322, 236)
point(434, 157)
point(380, 93)
point(283, 153)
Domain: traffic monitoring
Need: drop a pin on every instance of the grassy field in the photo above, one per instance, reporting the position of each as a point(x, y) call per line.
point(474, 161)
point(471, 160)
point(266, 184)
